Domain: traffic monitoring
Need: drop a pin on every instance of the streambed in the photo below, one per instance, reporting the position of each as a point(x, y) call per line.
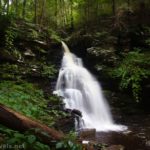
point(137, 137)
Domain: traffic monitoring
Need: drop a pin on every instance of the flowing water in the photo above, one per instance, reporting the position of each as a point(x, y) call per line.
point(82, 91)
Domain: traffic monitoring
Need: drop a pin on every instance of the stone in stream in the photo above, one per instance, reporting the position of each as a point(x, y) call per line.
point(116, 147)
point(87, 133)
point(148, 143)
point(77, 112)
point(86, 145)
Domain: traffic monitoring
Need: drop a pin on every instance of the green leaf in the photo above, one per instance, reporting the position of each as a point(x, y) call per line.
point(59, 145)
point(70, 144)
point(31, 139)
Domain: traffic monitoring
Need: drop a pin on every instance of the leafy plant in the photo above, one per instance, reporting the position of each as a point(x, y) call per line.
point(69, 143)
point(19, 140)
point(48, 71)
point(10, 35)
point(32, 34)
point(132, 70)
point(29, 141)
point(53, 34)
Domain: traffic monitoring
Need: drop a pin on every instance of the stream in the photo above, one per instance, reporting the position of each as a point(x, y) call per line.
point(137, 137)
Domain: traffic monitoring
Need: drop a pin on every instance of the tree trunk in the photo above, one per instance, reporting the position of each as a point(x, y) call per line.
point(88, 11)
point(72, 20)
point(56, 12)
point(63, 12)
point(97, 12)
point(0, 7)
point(19, 122)
point(16, 7)
point(114, 7)
point(35, 11)
point(128, 1)
point(42, 11)
point(24, 9)
point(7, 7)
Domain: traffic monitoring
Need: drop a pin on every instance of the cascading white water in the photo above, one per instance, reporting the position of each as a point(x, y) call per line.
point(82, 91)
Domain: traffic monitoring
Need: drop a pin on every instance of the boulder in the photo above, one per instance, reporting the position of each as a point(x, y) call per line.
point(87, 133)
point(77, 112)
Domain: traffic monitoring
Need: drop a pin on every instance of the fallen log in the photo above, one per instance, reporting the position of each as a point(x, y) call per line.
point(19, 122)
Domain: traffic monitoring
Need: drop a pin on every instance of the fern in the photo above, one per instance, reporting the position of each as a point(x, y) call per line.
point(132, 70)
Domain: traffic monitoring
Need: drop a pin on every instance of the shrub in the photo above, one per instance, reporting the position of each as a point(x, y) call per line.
point(132, 70)
point(69, 143)
point(16, 140)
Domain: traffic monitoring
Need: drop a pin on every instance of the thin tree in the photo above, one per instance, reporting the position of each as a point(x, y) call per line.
point(7, 6)
point(35, 11)
point(114, 7)
point(72, 20)
point(0, 7)
point(56, 12)
point(24, 9)
point(16, 7)
point(42, 11)
point(128, 2)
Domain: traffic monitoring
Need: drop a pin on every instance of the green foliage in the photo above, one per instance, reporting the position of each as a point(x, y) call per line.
point(69, 143)
point(48, 71)
point(132, 70)
point(65, 13)
point(19, 140)
point(32, 34)
point(101, 146)
point(9, 38)
point(56, 104)
point(28, 141)
point(43, 69)
point(26, 98)
point(54, 35)
point(13, 71)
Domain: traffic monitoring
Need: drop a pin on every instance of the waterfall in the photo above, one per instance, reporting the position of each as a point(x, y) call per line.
point(83, 92)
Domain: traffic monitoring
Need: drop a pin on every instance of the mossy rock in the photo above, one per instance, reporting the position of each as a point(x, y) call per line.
point(6, 56)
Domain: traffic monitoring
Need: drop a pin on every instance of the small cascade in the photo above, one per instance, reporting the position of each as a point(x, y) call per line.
point(83, 92)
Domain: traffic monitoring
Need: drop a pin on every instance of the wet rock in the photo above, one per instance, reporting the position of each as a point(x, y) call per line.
point(29, 53)
point(87, 145)
point(77, 112)
point(127, 132)
point(6, 56)
point(116, 147)
point(107, 56)
point(40, 42)
point(65, 124)
point(87, 133)
point(74, 112)
point(147, 143)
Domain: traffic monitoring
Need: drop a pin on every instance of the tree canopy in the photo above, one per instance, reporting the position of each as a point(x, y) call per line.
point(70, 13)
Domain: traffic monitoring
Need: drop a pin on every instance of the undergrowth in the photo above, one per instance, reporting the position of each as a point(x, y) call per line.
point(26, 98)
point(132, 71)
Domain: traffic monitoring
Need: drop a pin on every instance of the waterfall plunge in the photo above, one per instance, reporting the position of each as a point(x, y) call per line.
point(82, 91)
